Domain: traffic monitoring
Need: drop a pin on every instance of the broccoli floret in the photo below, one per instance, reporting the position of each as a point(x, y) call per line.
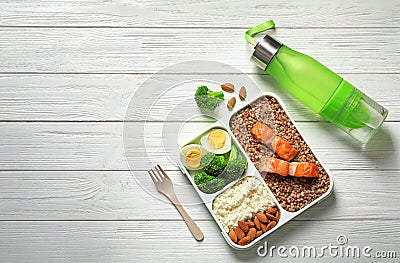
point(235, 169)
point(202, 178)
point(206, 159)
point(216, 166)
point(212, 186)
point(206, 99)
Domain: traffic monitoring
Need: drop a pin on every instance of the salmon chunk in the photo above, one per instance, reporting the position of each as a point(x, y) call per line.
point(266, 135)
point(303, 169)
point(274, 165)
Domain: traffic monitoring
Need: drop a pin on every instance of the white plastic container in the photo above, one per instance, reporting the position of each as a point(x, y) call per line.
point(285, 216)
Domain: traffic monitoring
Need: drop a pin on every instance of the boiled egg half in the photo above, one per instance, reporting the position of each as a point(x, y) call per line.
point(217, 141)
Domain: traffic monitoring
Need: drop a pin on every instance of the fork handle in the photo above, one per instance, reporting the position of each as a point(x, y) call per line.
point(194, 229)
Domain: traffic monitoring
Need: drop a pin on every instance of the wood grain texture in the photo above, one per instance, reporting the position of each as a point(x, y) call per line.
point(100, 195)
point(120, 50)
point(169, 241)
point(105, 97)
point(99, 146)
point(159, 13)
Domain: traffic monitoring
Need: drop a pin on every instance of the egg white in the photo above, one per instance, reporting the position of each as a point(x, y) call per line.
point(226, 148)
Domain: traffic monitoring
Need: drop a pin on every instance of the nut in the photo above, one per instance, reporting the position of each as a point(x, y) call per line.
point(239, 233)
point(272, 210)
point(257, 223)
point(262, 217)
point(277, 215)
point(228, 87)
point(263, 227)
point(242, 93)
point(250, 224)
point(252, 233)
point(243, 226)
point(244, 241)
point(259, 233)
point(233, 236)
point(231, 103)
point(271, 217)
point(271, 225)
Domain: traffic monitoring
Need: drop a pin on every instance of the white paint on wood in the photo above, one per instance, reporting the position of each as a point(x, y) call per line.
point(98, 97)
point(126, 50)
point(99, 146)
point(101, 195)
point(224, 13)
point(167, 241)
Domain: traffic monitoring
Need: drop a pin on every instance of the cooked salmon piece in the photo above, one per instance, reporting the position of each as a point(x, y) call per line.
point(303, 169)
point(266, 135)
point(284, 168)
point(274, 165)
point(262, 132)
point(284, 149)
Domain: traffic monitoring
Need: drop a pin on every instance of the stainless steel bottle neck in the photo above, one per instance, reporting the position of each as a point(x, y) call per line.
point(265, 51)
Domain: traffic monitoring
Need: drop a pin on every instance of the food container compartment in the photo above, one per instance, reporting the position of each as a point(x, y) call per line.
point(293, 193)
point(251, 171)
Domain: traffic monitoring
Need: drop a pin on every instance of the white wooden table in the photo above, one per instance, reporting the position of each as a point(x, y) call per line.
point(68, 70)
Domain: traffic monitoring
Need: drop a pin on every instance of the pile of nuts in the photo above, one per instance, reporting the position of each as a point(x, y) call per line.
point(247, 231)
point(292, 193)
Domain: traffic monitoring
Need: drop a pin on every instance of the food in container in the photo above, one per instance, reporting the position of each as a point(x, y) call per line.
point(217, 141)
point(254, 200)
point(254, 126)
point(191, 155)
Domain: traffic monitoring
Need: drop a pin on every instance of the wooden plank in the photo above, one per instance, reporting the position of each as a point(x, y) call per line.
point(100, 146)
point(171, 241)
point(224, 13)
point(119, 50)
point(99, 195)
point(105, 97)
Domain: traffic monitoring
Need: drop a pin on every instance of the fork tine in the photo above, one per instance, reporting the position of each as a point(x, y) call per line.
point(163, 172)
point(152, 177)
point(160, 174)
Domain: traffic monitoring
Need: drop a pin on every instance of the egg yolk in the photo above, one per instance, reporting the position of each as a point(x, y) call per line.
point(217, 139)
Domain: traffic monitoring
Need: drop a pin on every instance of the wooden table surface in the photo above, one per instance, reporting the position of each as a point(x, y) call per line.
point(68, 71)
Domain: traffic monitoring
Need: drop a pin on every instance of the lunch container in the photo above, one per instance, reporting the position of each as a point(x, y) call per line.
point(285, 216)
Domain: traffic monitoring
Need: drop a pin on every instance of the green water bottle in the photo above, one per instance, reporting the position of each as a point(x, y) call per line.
point(319, 88)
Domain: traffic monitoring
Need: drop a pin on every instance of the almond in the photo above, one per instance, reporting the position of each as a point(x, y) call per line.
point(259, 233)
point(233, 236)
point(262, 217)
point(270, 217)
point(272, 210)
point(244, 241)
point(257, 223)
point(231, 103)
point(271, 225)
point(249, 224)
point(243, 226)
point(277, 215)
point(228, 87)
point(239, 233)
point(252, 233)
point(242, 93)
point(263, 227)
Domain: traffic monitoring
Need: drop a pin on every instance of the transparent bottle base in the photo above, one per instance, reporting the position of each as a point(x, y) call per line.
point(362, 117)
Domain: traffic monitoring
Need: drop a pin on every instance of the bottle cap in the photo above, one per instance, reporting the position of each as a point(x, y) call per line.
point(265, 51)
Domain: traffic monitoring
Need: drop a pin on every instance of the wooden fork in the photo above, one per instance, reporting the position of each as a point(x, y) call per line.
point(164, 185)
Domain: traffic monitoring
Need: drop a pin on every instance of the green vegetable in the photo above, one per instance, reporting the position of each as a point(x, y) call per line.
point(206, 99)
point(206, 159)
point(236, 166)
point(235, 169)
point(216, 166)
point(212, 186)
point(202, 178)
